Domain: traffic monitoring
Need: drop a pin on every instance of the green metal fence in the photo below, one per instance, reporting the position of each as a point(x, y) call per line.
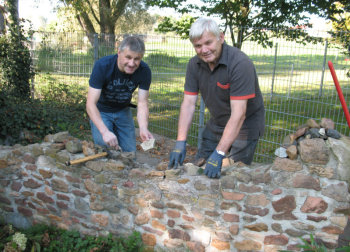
point(294, 78)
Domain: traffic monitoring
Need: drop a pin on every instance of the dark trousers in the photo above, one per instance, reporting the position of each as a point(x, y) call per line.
point(241, 150)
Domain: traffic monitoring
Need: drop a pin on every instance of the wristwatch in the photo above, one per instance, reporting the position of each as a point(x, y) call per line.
point(220, 152)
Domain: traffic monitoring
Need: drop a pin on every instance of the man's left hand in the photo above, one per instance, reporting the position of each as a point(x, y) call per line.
point(213, 165)
point(145, 135)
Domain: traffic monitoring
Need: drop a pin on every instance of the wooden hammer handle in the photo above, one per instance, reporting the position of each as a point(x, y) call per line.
point(88, 158)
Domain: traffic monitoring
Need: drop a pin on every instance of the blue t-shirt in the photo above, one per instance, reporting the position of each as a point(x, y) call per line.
point(117, 87)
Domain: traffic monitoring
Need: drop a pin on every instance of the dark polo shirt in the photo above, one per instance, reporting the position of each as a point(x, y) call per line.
point(234, 78)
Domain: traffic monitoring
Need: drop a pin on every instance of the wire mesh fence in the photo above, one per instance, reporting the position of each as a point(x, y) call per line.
point(294, 79)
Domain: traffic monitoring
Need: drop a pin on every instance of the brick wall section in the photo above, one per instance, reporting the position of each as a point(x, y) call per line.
point(263, 207)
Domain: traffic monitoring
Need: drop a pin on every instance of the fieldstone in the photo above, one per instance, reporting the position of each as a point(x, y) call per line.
point(92, 187)
point(95, 165)
point(277, 227)
point(100, 219)
point(313, 133)
point(321, 171)
point(74, 146)
point(248, 245)
point(333, 133)
point(172, 174)
point(257, 200)
point(341, 149)
point(45, 162)
point(300, 132)
point(314, 151)
point(314, 205)
point(338, 192)
point(178, 234)
point(191, 169)
point(292, 152)
point(162, 166)
point(276, 240)
point(256, 211)
point(303, 226)
point(327, 123)
point(59, 185)
point(249, 189)
point(258, 227)
point(31, 183)
point(285, 164)
point(285, 204)
point(195, 246)
point(306, 181)
point(45, 173)
point(43, 197)
point(295, 233)
point(281, 152)
point(62, 137)
point(316, 218)
point(113, 165)
point(339, 220)
point(88, 148)
point(227, 182)
point(220, 245)
point(142, 219)
point(149, 239)
point(312, 123)
point(36, 150)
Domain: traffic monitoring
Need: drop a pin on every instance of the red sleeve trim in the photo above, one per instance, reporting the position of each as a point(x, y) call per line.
point(245, 97)
point(191, 93)
point(226, 86)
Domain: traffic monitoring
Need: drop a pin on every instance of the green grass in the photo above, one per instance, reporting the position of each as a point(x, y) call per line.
point(294, 89)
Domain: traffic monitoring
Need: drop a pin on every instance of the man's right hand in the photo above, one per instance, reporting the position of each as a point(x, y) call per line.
point(177, 156)
point(110, 139)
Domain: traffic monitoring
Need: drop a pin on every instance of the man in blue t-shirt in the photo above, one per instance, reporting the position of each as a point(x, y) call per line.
point(112, 82)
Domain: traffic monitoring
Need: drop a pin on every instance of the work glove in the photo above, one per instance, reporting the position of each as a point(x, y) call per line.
point(177, 156)
point(213, 165)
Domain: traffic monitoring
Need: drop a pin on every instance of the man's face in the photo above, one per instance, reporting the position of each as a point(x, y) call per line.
point(209, 47)
point(128, 61)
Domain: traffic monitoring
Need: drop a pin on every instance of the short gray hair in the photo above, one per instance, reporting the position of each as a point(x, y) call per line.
point(134, 43)
point(204, 25)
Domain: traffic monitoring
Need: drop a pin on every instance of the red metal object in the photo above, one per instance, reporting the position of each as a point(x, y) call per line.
point(340, 92)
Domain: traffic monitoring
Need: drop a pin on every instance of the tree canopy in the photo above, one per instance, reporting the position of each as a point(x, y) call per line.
point(239, 16)
point(102, 16)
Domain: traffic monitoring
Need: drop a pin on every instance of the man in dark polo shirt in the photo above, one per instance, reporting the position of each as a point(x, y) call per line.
point(228, 83)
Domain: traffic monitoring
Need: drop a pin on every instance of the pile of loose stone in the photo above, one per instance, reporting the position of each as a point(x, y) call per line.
point(311, 130)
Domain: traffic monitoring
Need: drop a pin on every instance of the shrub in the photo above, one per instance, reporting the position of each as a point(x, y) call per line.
point(15, 64)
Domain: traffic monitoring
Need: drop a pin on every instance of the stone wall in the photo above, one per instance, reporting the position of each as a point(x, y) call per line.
point(262, 207)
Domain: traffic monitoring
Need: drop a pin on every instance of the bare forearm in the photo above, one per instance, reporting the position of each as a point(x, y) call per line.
point(95, 117)
point(230, 134)
point(142, 116)
point(185, 120)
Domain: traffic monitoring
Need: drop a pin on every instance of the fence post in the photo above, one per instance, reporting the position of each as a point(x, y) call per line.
point(273, 72)
point(323, 68)
point(95, 47)
point(32, 79)
point(201, 122)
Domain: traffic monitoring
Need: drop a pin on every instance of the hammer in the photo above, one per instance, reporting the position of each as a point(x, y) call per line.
point(92, 157)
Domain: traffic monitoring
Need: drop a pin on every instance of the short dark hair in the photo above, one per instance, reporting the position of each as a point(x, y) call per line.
point(134, 43)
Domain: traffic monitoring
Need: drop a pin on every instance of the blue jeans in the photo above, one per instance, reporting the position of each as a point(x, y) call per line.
point(241, 150)
point(121, 123)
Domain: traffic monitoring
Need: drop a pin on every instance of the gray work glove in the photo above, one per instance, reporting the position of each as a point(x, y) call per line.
point(213, 166)
point(177, 156)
